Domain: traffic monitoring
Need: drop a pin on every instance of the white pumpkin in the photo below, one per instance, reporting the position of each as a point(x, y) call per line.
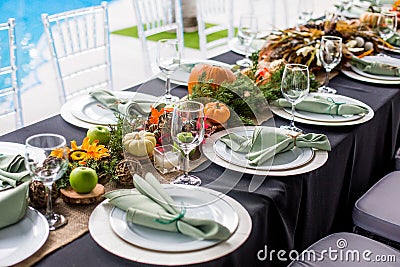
point(139, 144)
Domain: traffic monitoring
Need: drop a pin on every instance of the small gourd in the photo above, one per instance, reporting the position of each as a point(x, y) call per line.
point(370, 18)
point(139, 144)
point(217, 112)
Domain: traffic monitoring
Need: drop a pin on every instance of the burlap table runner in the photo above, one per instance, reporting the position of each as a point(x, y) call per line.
point(78, 216)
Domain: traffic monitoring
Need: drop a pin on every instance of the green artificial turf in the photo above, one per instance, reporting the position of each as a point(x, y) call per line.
point(191, 39)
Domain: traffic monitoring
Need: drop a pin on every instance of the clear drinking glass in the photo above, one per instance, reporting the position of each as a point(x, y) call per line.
point(46, 168)
point(168, 60)
point(187, 131)
point(248, 28)
point(330, 54)
point(295, 86)
point(387, 24)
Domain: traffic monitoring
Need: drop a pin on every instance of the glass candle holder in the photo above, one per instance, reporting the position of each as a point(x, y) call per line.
point(166, 158)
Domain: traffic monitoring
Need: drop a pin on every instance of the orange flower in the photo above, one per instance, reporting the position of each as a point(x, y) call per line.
point(58, 153)
point(155, 115)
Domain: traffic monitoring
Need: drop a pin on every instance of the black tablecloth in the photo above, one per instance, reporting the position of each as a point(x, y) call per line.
point(287, 212)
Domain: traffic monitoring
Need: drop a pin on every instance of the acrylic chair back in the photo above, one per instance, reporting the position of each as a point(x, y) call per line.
point(10, 95)
point(214, 16)
point(154, 17)
point(79, 42)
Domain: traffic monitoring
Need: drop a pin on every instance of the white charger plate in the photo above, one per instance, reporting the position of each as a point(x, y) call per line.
point(291, 159)
point(101, 231)
point(380, 59)
point(199, 204)
point(326, 117)
point(323, 119)
point(235, 46)
point(21, 240)
point(181, 75)
point(356, 76)
point(84, 111)
point(207, 148)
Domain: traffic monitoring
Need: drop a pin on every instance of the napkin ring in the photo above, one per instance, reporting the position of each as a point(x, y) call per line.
point(294, 137)
point(334, 104)
point(177, 218)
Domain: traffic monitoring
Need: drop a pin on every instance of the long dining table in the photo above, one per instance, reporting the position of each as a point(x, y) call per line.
point(290, 212)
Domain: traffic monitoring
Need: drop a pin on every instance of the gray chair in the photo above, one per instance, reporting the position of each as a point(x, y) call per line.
point(347, 250)
point(377, 214)
point(79, 42)
point(10, 95)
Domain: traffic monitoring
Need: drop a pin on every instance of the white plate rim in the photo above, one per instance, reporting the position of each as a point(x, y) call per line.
point(319, 159)
point(233, 45)
point(118, 215)
point(161, 76)
point(69, 106)
point(362, 78)
point(101, 231)
point(396, 49)
point(296, 164)
point(282, 113)
point(39, 238)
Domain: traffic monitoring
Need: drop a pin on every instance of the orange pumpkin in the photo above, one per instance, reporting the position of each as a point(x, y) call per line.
point(217, 112)
point(370, 18)
point(215, 73)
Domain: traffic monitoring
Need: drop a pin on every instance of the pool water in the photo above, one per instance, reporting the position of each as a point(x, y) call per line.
point(29, 29)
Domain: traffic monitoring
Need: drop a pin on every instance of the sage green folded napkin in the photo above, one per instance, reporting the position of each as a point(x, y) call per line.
point(394, 40)
point(151, 206)
point(123, 106)
point(323, 105)
point(14, 201)
point(266, 142)
point(375, 67)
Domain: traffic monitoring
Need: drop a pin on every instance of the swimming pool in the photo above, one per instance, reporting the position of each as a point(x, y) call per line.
point(29, 28)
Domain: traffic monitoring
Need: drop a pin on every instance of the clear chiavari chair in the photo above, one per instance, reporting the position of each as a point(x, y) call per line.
point(10, 95)
point(79, 42)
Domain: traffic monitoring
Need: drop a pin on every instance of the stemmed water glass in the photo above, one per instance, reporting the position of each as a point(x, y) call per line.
point(387, 24)
point(168, 60)
point(187, 131)
point(248, 28)
point(330, 54)
point(46, 168)
point(295, 86)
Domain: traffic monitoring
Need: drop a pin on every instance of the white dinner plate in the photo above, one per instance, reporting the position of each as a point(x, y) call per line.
point(84, 111)
point(323, 119)
point(395, 49)
point(207, 148)
point(181, 75)
point(356, 76)
point(21, 240)
point(101, 231)
point(282, 161)
point(198, 203)
point(237, 47)
point(380, 59)
point(327, 117)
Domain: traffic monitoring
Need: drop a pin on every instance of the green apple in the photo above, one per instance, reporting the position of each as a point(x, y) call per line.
point(185, 137)
point(83, 179)
point(99, 132)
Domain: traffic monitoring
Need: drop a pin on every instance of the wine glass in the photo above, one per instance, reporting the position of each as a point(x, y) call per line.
point(247, 31)
point(46, 168)
point(330, 54)
point(295, 86)
point(187, 131)
point(387, 24)
point(168, 60)
point(306, 10)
